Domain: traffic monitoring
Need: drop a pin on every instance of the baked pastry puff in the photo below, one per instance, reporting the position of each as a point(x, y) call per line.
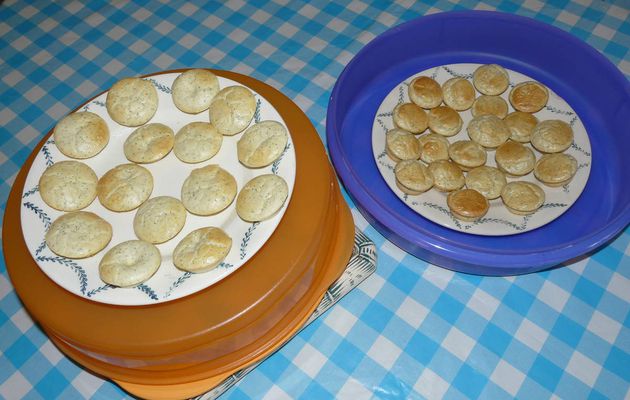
point(521, 125)
point(491, 79)
point(529, 97)
point(488, 181)
point(434, 147)
point(515, 159)
point(552, 136)
point(555, 169)
point(413, 177)
point(522, 198)
point(401, 145)
point(488, 130)
point(489, 105)
point(467, 204)
point(447, 176)
point(445, 121)
point(458, 93)
point(425, 92)
point(410, 117)
point(467, 154)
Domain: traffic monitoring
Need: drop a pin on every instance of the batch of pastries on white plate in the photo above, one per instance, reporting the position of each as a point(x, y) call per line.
point(72, 185)
point(427, 159)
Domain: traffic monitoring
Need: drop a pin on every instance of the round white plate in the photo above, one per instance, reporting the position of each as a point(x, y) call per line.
point(81, 276)
point(498, 221)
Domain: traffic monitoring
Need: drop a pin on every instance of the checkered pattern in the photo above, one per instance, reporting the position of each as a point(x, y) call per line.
point(411, 330)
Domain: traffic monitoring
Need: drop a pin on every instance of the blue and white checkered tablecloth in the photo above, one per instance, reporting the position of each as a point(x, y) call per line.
point(411, 330)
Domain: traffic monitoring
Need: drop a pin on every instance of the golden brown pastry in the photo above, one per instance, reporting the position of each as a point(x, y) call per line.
point(488, 130)
point(488, 181)
point(467, 204)
point(401, 145)
point(447, 176)
point(489, 105)
point(433, 147)
point(552, 136)
point(425, 92)
point(556, 169)
point(521, 125)
point(515, 159)
point(413, 177)
point(467, 154)
point(445, 121)
point(459, 94)
point(529, 97)
point(522, 198)
point(410, 117)
point(491, 79)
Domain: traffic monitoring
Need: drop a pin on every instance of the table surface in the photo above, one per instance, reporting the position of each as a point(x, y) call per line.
point(412, 330)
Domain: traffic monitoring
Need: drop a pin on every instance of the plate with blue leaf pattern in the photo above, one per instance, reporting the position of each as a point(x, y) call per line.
point(498, 221)
point(81, 277)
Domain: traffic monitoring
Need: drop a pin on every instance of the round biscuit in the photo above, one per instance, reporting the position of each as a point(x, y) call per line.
point(149, 143)
point(125, 187)
point(132, 101)
point(232, 110)
point(194, 89)
point(68, 185)
point(261, 198)
point(413, 177)
point(489, 105)
point(445, 121)
point(433, 147)
point(522, 198)
point(491, 79)
point(159, 219)
point(425, 92)
point(410, 117)
point(262, 144)
point(78, 234)
point(552, 136)
point(489, 131)
point(459, 94)
point(202, 250)
point(129, 263)
point(401, 145)
point(529, 97)
point(489, 181)
point(208, 190)
point(521, 125)
point(196, 142)
point(81, 135)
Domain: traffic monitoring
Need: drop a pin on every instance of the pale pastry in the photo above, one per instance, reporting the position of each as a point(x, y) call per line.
point(552, 136)
point(194, 89)
point(262, 144)
point(232, 110)
point(529, 97)
point(78, 234)
point(208, 190)
point(521, 125)
point(68, 185)
point(425, 92)
point(447, 176)
point(196, 142)
point(555, 169)
point(132, 101)
point(488, 130)
point(125, 187)
point(433, 147)
point(467, 154)
point(459, 94)
point(515, 159)
point(410, 117)
point(488, 181)
point(413, 177)
point(129, 263)
point(401, 145)
point(489, 105)
point(467, 204)
point(202, 250)
point(149, 143)
point(522, 198)
point(491, 79)
point(261, 198)
point(445, 121)
point(81, 135)
point(159, 219)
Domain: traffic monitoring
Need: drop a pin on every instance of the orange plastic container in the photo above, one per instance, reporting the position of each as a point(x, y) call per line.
point(186, 346)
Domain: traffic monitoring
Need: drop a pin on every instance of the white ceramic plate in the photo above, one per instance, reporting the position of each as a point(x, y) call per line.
point(498, 221)
point(81, 276)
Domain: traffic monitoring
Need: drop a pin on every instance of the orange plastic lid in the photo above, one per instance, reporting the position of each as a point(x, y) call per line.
point(217, 324)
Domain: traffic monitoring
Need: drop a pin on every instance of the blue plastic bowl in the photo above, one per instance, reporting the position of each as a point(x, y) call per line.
point(593, 86)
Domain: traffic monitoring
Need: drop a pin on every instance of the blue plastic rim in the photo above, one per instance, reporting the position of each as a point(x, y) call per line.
point(591, 84)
